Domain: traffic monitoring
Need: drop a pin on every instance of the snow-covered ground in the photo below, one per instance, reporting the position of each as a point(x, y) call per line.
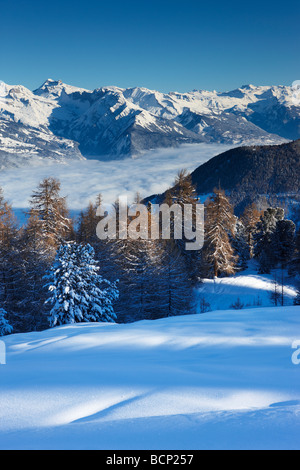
point(251, 288)
point(222, 380)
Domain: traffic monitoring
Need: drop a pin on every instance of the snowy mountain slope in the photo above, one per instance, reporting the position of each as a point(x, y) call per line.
point(113, 126)
point(25, 145)
point(225, 128)
point(112, 122)
point(25, 134)
point(222, 380)
point(272, 109)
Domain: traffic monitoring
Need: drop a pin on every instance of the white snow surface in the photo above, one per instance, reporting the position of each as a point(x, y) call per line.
point(221, 380)
point(251, 288)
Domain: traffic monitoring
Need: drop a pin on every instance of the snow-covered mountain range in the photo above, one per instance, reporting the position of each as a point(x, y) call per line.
point(60, 122)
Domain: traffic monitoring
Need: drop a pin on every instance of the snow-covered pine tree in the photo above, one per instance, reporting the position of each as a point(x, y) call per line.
point(5, 327)
point(78, 291)
point(218, 255)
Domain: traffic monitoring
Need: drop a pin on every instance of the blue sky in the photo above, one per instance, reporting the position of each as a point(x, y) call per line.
point(159, 44)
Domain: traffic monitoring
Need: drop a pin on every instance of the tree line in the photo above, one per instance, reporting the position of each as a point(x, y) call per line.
point(55, 270)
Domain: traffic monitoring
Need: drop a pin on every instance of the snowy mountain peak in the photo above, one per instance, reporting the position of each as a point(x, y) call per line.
point(113, 122)
point(55, 88)
point(51, 82)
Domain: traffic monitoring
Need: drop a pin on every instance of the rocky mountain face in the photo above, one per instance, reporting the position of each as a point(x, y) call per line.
point(58, 121)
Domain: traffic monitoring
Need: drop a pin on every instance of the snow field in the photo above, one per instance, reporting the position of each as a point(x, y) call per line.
point(253, 290)
point(224, 379)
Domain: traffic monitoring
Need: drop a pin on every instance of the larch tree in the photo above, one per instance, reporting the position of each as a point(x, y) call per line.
point(175, 284)
point(86, 233)
point(218, 254)
point(183, 193)
point(10, 263)
point(87, 223)
point(51, 214)
point(35, 258)
point(132, 255)
point(250, 218)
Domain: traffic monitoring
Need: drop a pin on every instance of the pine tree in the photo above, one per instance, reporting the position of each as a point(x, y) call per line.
point(78, 292)
point(296, 212)
point(5, 327)
point(283, 242)
point(218, 254)
point(294, 265)
point(263, 239)
point(240, 243)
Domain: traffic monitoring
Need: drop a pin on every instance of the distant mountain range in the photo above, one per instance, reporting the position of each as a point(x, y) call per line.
point(59, 122)
point(251, 174)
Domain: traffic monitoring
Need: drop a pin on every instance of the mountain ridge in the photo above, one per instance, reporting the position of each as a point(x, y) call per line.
point(112, 122)
point(250, 174)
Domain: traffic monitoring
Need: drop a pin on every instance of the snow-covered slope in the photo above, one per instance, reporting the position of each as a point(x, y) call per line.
point(251, 288)
point(226, 117)
point(215, 381)
point(25, 134)
point(58, 120)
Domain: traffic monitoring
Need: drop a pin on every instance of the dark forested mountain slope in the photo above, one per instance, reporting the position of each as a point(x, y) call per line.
point(251, 173)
